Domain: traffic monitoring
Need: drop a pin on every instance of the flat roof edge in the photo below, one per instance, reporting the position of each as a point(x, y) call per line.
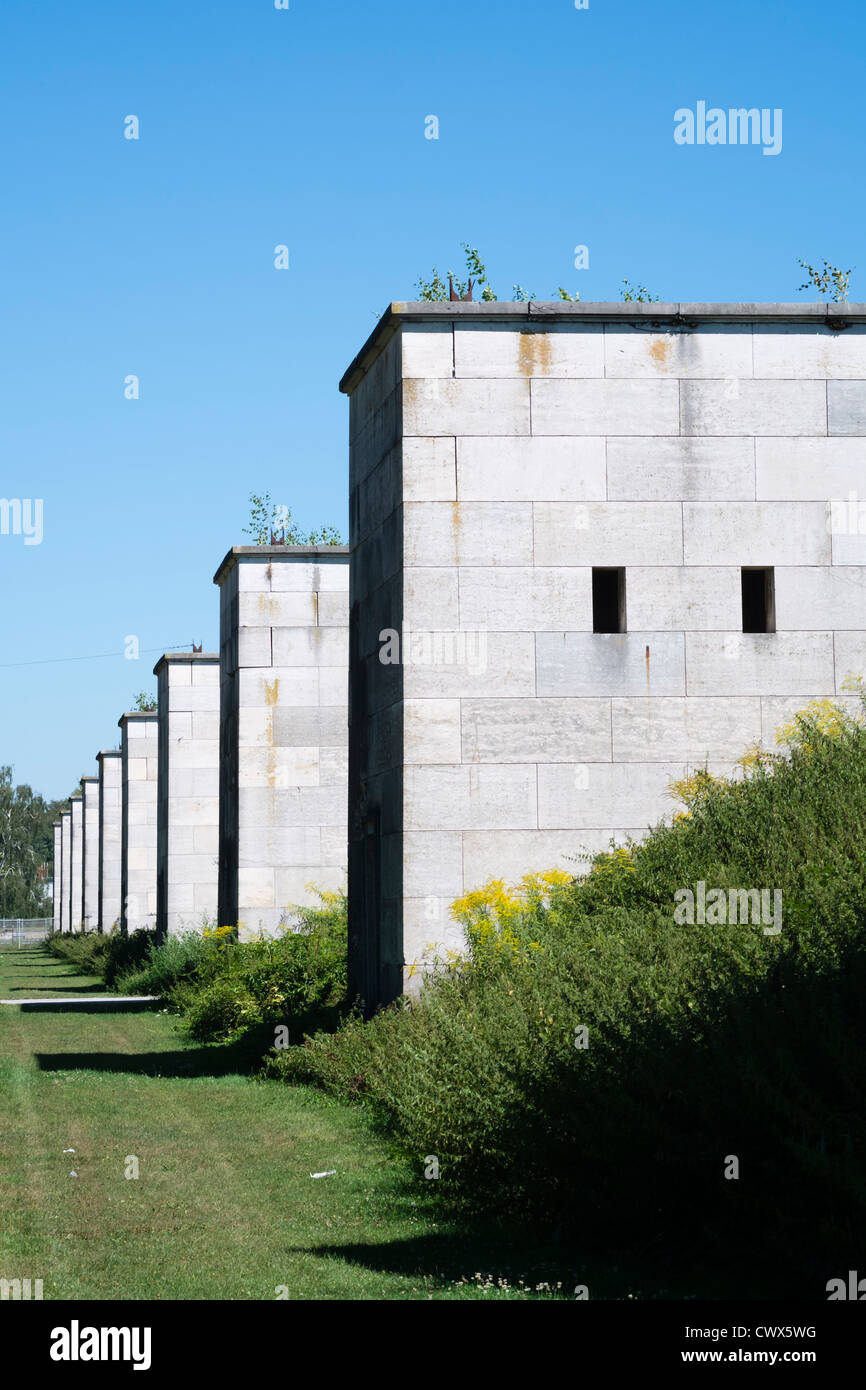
point(280, 552)
point(681, 312)
point(207, 658)
point(136, 714)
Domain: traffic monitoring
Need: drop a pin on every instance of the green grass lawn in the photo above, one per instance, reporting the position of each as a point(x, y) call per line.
point(224, 1205)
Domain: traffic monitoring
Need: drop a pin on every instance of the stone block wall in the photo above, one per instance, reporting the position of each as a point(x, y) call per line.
point(65, 870)
point(110, 763)
point(500, 453)
point(188, 809)
point(76, 861)
point(139, 773)
point(56, 877)
point(90, 854)
point(283, 730)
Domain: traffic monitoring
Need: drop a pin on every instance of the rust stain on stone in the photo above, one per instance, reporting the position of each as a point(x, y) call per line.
point(660, 351)
point(456, 525)
point(647, 663)
point(534, 354)
point(272, 691)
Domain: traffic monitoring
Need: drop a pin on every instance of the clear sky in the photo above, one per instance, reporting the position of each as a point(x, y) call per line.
point(305, 127)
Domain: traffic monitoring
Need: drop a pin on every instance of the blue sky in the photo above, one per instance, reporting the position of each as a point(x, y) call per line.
point(305, 127)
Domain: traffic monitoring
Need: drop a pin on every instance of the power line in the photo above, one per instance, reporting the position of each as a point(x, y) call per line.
point(101, 656)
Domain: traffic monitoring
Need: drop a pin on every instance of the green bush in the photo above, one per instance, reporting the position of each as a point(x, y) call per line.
point(126, 952)
point(109, 956)
point(219, 1010)
point(704, 1042)
point(86, 950)
point(164, 967)
point(221, 987)
point(298, 978)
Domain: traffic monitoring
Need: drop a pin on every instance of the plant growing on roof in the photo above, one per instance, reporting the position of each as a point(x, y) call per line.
point(637, 294)
point(273, 524)
point(830, 281)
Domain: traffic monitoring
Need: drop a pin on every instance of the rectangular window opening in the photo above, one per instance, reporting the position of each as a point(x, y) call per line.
point(608, 600)
point(759, 600)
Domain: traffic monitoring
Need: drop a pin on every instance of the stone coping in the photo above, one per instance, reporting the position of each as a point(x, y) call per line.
point(682, 314)
point(272, 552)
point(137, 714)
point(178, 658)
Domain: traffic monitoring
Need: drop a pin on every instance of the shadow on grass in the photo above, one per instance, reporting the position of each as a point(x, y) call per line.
point(451, 1256)
point(22, 959)
point(239, 1058)
point(97, 988)
point(69, 1006)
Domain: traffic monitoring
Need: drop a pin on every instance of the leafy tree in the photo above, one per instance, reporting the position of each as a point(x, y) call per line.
point(273, 524)
point(830, 281)
point(26, 847)
point(144, 703)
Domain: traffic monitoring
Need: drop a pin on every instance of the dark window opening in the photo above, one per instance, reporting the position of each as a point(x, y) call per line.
point(608, 600)
point(759, 600)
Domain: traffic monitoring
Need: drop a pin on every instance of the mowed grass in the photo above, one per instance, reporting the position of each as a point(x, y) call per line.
point(224, 1205)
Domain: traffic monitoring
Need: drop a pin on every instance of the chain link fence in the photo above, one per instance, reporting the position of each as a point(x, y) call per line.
point(24, 931)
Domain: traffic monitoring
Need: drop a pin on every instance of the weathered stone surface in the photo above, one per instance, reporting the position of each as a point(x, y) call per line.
point(688, 469)
point(846, 407)
point(528, 352)
point(499, 454)
point(749, 663)
point(718, 350)
point(139, 780)
point(90, 854)
point(797, 351)
point(602, 663)
point(65, 870)
point(188, 809)
point(76, 858)
point(602, 408)
point(56, 871)
point(740, 407)
point(530, 468)
point(283, 728)
point(755, 533)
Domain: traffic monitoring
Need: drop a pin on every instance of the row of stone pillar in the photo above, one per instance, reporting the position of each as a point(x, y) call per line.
point(228, 803)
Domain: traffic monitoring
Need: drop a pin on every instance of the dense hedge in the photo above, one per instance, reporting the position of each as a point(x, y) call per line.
point(219, 987)
point(704, 1043)
point(109, 956)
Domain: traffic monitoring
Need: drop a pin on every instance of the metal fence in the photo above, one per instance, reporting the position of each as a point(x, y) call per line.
point(24, 931)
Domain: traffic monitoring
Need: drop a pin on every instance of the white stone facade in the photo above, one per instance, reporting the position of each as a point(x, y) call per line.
point(139, 773)
point(283, 720)
point(90, 854)
point(56, 877)
point(188, 814)
point(498, 454)
point(76, 860)
point(110, 763)
point(65, 870)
